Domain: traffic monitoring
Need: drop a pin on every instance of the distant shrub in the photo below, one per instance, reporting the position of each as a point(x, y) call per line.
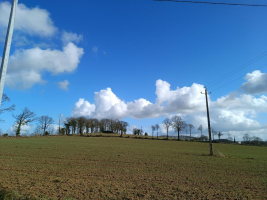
point(5, 135)
point(203, 138)
point(107, 132)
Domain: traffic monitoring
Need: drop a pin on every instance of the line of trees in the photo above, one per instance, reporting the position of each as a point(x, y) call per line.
point(26, 117)
point(178, 124)
point(154, 128)
point(72, 125)
point(84, 125)
point(253, 140)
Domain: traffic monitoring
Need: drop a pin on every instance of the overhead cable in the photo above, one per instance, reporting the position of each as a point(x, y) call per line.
point(234, 71)
point(216, 3)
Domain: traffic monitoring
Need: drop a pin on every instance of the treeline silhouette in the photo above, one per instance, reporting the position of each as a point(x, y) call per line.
point(83, 125)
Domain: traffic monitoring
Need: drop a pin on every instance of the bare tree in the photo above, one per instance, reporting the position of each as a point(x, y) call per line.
point(50, 130)
point(200, 128)
point(73, 124)
point(247, 138)
point(186, 128)
point(230, 138)
point(5, 99)
point(213, 132)
point(113, 125)
point(67, 124)
point(136, 131)
point(123, 127)
point(105, 125)
point(63, 131)
point(102, 124)
point(24, 118)
point(81, 124)
point(88, 123)
point(157, 128)
point(178, 124)
point(153, 129)
point(94, 127)
point(37, 131)
point(44, 122)
point(190, 126)
point(219, 135)
point(167, 123)
point(256, 140)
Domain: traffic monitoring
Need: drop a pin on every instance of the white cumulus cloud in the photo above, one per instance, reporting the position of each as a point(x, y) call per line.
point(71, 37)
point(186, 99)
point(27, 65)
point(108, 105)
point(256, 83)
point(63, 85)
point(32, 21)
point(83, 108)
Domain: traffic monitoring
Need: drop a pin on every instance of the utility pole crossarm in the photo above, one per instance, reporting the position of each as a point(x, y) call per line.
point(7, 48)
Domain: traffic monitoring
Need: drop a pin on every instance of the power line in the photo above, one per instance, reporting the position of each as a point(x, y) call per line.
point(183, 104)
point(234, 80)
point(231, 73)
point(216, 3)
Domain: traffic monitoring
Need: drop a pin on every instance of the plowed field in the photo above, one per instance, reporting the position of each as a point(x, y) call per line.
point(126, 168)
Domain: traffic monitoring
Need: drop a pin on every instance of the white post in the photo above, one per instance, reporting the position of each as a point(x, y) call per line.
point(7, 48)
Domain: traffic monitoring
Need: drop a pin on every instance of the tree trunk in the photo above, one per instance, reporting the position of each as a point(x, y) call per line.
point(190, 134)
point(59, 127)
point(18, 130)
point(167, 134)
point(178, 134)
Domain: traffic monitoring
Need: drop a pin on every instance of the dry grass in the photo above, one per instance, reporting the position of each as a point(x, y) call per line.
point(125, 168)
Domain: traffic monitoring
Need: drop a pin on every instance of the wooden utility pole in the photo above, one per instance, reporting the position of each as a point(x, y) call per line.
point(208, 117)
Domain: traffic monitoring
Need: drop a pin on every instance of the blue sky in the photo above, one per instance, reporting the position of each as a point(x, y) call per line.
point(129, 46)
